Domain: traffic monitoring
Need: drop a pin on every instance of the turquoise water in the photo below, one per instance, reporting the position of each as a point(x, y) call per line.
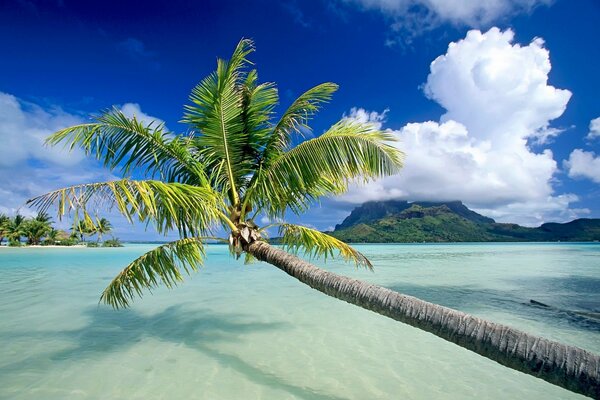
point(251, 332)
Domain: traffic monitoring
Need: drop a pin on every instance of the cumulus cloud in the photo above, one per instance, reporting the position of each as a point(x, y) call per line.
point(497, 102)
point(23, 128)
point(594, 132)
point(134, 110)
point(583, 164)
point(411, 18)
point(28, 168)
point(363, 116)
point(498, 90)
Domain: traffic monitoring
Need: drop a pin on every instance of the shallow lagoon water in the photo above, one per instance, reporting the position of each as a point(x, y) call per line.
point(235, 331)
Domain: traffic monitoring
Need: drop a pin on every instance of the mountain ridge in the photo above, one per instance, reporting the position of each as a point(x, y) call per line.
point(396, 221)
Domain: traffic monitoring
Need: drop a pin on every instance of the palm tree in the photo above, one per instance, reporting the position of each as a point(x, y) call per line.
point(52, 236)
point(103, 226)
point(35, 229)
point(15, 230)
point(43, 217)
point(4, 222)
point(83, 227)
point(237, 163)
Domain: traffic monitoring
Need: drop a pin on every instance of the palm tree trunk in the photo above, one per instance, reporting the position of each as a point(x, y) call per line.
point(570, 367)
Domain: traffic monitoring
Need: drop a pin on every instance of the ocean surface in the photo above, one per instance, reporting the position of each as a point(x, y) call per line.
point(235, 331)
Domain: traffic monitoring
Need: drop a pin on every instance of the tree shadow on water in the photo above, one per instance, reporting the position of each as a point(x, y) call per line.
point(108, 331)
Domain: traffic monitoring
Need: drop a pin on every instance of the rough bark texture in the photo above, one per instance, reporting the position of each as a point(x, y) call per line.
point(570, 367)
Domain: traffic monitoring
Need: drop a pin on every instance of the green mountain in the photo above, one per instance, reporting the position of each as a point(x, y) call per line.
point(402, 222)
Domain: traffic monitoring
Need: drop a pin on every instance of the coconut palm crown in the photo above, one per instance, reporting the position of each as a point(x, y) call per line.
point(4, 226)
point(103, 226)
point(235, 163)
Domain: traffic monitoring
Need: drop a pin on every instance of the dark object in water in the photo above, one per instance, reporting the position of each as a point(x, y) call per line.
point(584, 314)
point(537, 303)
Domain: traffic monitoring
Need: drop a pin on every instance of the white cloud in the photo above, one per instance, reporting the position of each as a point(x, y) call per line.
point(24, 127)
point(498, 90)
point(374, 118)
point(583, 164)
point(134, 110)
point(533, 213)
point(594, 132)
point(497, 99)
point(29, 169)
point(414, 17)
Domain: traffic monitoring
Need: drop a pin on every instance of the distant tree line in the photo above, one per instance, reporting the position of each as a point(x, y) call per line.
point(39, 230)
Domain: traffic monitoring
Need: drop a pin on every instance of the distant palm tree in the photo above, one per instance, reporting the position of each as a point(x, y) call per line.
point(43, 216)
point(103, 226)
point(52, 236)
point(35, 229)
point(82, 228)
point(15, 230)
point(237, 163)
point(4, 222)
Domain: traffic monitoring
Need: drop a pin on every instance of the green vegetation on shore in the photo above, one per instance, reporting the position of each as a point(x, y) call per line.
point(39, 231)
point(403, 222)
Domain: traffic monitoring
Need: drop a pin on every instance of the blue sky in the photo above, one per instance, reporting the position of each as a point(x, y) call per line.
point(492, 101)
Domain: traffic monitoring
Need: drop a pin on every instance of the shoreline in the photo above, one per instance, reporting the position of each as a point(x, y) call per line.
point(39, 246)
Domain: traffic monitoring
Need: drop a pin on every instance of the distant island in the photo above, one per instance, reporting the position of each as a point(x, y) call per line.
point(397, 221)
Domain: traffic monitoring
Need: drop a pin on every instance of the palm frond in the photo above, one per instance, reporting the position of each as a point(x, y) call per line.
point(192, 210)
point(318, 244)
point(258, 103)
point(127, 144)
point(324, 166)
point(296, 117)
point(164, 264)
point(217, 114)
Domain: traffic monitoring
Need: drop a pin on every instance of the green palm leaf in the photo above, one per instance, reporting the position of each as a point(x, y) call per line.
point(324, 166)
point(296, 117)
point(258, 103)
point(164, 264)
point(318, 244)
point(127, 144)
point(217, 114)
point(192, 210)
